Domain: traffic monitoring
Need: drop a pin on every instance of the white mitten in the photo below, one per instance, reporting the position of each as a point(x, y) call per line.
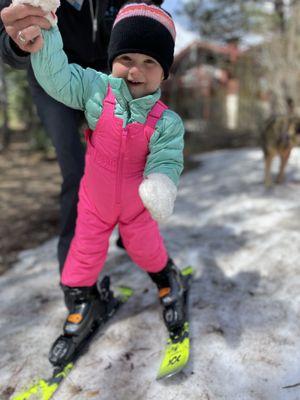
point(158, 194)
point(49, 6)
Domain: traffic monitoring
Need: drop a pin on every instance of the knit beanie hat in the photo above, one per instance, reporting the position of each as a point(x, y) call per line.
point(146, 29)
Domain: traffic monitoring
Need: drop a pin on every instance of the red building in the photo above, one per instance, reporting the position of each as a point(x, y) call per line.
point(203, 83)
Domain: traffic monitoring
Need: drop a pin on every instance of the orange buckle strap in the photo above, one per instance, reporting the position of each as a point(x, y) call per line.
point(164, 292)
point(75, 318)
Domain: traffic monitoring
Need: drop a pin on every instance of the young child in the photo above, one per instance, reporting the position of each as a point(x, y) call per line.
point(133, 160)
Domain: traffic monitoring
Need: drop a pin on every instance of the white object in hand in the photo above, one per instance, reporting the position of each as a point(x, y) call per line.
point(49, 6)
point(158, 193)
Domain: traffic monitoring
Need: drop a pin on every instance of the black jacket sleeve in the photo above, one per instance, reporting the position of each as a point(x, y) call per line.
point(9, 51)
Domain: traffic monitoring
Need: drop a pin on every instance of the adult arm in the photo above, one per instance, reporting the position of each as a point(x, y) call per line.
point(14, 19)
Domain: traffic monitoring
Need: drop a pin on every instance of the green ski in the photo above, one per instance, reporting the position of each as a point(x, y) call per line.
point(177, 350)
point(45, 388)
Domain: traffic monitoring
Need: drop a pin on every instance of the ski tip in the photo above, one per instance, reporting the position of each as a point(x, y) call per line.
point(125, 292)
point(168, 371)
point(176, 355)
point(39, 391)
point(44, 389)
point(189, 270)
point(165, 375)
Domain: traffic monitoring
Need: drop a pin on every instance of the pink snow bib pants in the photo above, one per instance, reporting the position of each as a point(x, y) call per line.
point(115, 162)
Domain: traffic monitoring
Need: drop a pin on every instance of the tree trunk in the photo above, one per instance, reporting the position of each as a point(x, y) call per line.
point(6, 136)
point(279, 9)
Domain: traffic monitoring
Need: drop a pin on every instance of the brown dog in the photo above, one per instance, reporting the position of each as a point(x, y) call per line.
point(279, 136)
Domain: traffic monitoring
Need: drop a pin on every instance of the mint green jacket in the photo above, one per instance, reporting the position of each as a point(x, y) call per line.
point(85, 89)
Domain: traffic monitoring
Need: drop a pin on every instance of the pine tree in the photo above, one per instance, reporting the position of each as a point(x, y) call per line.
point(227, 19)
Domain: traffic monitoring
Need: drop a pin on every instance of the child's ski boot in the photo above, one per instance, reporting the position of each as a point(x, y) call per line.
point(171, 288)
point(90, 307)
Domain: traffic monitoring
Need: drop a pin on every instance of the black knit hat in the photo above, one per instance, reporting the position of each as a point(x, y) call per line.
point(145, 29)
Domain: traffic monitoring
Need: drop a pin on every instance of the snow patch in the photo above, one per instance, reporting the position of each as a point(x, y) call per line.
point(243, 242)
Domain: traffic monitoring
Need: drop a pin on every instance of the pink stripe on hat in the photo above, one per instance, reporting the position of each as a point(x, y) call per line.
point(150, 11)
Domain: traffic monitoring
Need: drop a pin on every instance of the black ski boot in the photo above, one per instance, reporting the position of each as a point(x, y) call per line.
point(119, 243)
point(89, 307)
point(170, 284)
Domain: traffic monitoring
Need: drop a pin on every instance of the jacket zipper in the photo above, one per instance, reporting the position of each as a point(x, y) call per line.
point(94, 18)
point(120, 165)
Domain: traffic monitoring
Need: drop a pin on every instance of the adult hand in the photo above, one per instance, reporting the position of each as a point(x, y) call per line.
point(23, 25)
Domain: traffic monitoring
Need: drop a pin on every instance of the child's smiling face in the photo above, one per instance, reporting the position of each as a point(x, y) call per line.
point(142, 73)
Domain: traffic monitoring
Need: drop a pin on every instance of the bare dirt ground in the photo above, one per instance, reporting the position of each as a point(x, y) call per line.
point(29, 199)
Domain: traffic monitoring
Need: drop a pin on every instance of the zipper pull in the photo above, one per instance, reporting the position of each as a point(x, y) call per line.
point(95, 28)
